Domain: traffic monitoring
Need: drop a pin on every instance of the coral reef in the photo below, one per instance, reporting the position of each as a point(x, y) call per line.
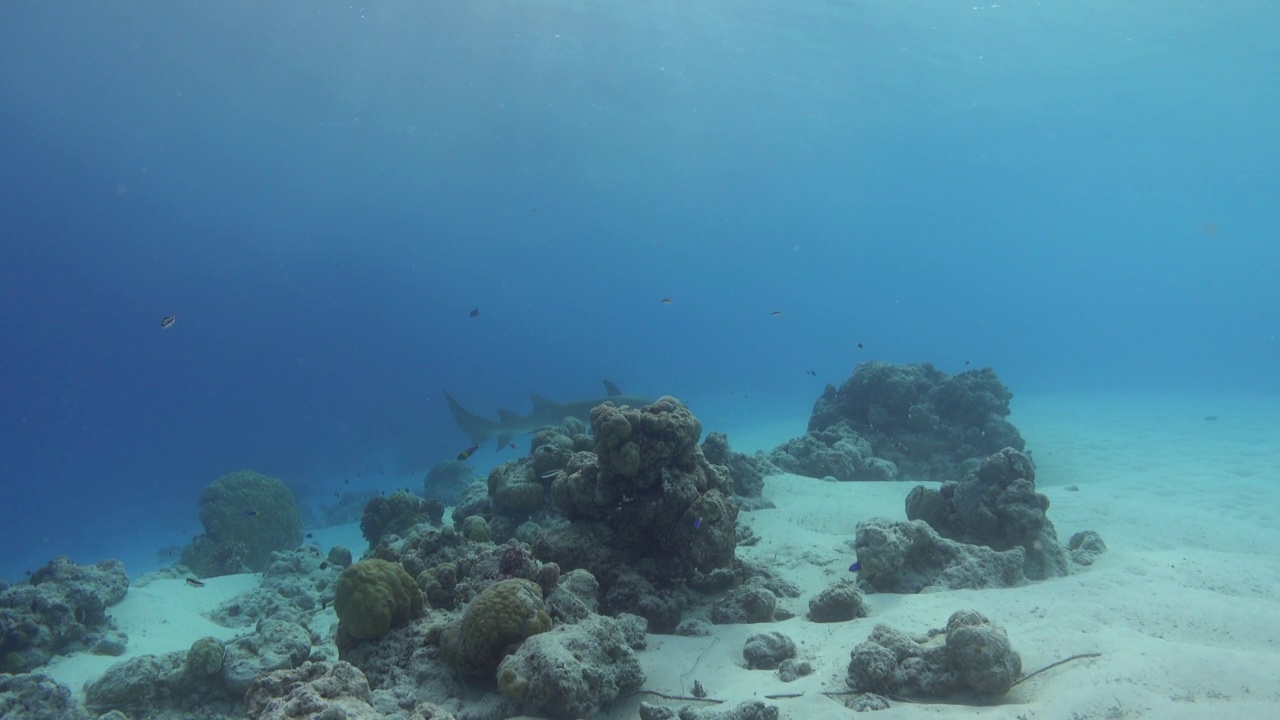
point(437, 584)
point(313, 690)
point(575, 597)
point(630, 591)
point(246, 516)
point(969, 654)
point(636, 505)
point(746, 472)
point(61, 610)
point(926, 423)
point(210, 675)
point(908, 557)
point(1085, 547)
point(29, 696)
point(493, 625)
point(767, 650)
point(791, 669)
point(996, 505)
point(424, 547)
point(574, 670)
point(836, 451)
point(374, 595)
point(396, 514)
point(339, 556)
point(515, 489)
point(648, 478)
point(448, 480)
point(746, 604)
point(838, 602)
point(406, 667)
point(475, 528)
point(296, 584)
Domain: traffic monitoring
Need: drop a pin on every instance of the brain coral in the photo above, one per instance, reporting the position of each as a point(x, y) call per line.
point(252, 509)
point(372, 596)
point(493, 626)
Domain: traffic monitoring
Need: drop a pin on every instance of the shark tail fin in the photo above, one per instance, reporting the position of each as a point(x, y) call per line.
point(476, 427)
point(611, 389)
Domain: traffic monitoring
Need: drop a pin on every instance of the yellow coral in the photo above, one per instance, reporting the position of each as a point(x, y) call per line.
point(494, 625)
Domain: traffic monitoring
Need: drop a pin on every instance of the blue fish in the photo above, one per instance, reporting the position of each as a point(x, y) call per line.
point(697, 523)
point(855, 567)
point(251, 513)
point(870, 463)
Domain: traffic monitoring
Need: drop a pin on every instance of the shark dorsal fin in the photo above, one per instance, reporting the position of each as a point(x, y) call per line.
point(611, 389)
point(541, 404)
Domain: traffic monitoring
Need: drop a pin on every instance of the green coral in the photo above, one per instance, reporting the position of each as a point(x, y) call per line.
point(493, 626)
point(204, 659)
point(372, 596)
point(437, 584)
point(475, 528)
point(253, 509)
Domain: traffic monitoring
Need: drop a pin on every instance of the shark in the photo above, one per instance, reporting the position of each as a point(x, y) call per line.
point(545, 412)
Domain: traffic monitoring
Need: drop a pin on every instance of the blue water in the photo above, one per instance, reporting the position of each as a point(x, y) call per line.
point(1079, 195)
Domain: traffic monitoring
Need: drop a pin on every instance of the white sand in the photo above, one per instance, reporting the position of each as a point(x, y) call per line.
point(160, 617)
point(1185, 606)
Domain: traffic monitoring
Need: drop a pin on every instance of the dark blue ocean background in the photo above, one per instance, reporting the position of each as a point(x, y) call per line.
point(1084, 196)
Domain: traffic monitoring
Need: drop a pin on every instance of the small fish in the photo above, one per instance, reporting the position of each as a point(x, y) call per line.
point(697, 523)
point(468, 452)
point(811, 373)
point(337, 494)
point(855, 567)
point(167, 322)
point(776, 313)
point(310, 535)
point(859, 346)
point(346, 481)
point(666, 301)
point(194, 582)
point(475, 312)
point(550, 474)
point(513, 446)
point(1210, 418)
point(324, 566)
point(966, 362)
point(870, 464)
point(251, 513)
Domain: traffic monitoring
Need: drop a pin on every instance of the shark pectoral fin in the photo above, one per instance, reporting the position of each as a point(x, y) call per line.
point(611, 389)
point(476, 427)
point(541, 405)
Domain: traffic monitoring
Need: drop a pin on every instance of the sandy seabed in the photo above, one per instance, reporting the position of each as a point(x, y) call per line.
point(1184, 608)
